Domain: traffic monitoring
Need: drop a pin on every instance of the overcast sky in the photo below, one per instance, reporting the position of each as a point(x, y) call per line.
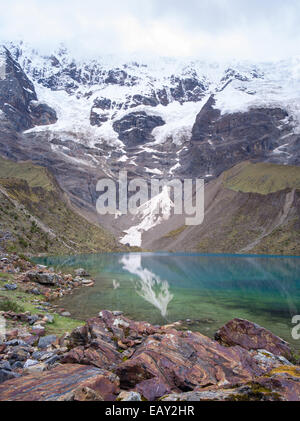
point(212, 29)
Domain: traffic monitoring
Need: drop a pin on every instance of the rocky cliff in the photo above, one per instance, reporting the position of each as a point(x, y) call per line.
point(85, 120)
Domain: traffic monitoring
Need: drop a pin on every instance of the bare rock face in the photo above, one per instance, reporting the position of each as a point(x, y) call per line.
point(249, 336)
point(87, 383)
point(283, 385)
point(181, 361)
point(156, 362)
point(42, 114)
point(16, 92)
point(220, 141)
point(43, 278)
point(103, 341)
point(99, 111)
point(18, 99)
point(136, 128)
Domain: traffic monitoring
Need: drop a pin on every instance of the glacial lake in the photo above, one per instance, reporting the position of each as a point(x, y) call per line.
point(209, 290)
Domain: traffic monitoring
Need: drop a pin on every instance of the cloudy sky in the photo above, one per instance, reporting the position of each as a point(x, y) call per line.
point(240, 29)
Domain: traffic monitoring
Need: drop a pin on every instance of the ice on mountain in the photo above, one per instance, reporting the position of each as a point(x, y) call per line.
point(151, 214)
point(2, 68)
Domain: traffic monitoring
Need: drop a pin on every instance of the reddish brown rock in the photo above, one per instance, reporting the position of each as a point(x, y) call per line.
point(181, 361)
point(12, 334)
point(96, 346)
point(103, 339)
point(124, 326)
point(31, 340)
point(282, 384)
point(57, 384)
point(39, 332)
point(285, 381)
point(249, 335)
point(102, 356)
point(82, 394)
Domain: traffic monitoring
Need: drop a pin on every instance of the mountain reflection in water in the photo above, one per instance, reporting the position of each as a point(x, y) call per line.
point(208, 289)
point(148, 285)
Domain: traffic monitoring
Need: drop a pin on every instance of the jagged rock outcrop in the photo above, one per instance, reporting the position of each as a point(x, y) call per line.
point(189, 89)
point(135, 128)
point(42, 114)
point(158, 362)
point(282, 384)
point(183, 361)
point(18, 97)
point(110, 112)
point(16, 92)
point(251, 336)
point(221, 141)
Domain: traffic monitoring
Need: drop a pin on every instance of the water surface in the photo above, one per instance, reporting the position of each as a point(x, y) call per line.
point(208, 289)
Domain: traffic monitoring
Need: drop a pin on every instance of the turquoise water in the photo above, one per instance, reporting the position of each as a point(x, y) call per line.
point(208, 289)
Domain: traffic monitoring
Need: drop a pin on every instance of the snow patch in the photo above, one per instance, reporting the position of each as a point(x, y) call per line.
point(2, 68)
point(150, 217)
point(154, 171)
point(74, 117)
point(124, 158)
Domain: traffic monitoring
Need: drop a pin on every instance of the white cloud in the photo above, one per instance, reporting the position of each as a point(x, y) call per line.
point(241, 29)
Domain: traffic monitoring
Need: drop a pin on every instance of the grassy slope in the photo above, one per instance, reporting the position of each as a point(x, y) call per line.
point(37, 195)
point(266, 180)
point(21, 302)
point(262, 178)
point(250, 200)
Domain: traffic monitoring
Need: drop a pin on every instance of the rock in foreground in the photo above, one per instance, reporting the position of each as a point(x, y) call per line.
point(161, 363)
point(249, 335)
point(84, 382)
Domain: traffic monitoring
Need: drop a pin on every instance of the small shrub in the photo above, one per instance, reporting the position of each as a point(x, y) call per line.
point(8, 305)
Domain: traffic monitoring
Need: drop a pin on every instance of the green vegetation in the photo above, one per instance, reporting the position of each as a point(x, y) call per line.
point(175, 233)
point(62, 325)
point(292, 371)
point(34, 175)
point(38, 217)
point(256, 212)
point(20, 302)
point(261, 178)
point(9, 305)
point(284, 240)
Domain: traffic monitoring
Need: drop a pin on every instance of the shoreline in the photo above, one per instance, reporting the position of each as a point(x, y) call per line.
point(113, 358)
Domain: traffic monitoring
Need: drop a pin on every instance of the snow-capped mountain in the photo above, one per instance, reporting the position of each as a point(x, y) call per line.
point(157, 117)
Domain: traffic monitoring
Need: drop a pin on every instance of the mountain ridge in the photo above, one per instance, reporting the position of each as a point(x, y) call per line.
point(152, 120)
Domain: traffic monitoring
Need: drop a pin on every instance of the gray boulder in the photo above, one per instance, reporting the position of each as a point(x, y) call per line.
point(44, 278)
point(11, 287)
point(7, 375)
point(81, 272)
point(46, 341)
